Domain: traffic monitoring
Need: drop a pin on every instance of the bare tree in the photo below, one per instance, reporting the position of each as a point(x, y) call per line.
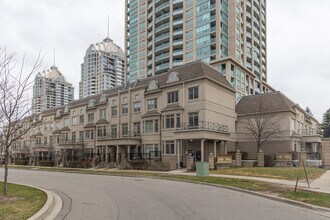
point(259, 121)
point(15, 104)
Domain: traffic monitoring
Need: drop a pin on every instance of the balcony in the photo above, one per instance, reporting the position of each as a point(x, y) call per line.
point(162, 6)
point(164, 16)
point(309, 132)
point(161, 47)
point(203, 125)
point(162, 56)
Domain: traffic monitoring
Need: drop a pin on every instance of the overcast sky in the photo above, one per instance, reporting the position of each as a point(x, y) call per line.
point(298, 38)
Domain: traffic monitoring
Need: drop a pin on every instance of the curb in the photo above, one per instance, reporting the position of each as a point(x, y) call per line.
point(276, 198)
point(47, 208)
point(51, 208)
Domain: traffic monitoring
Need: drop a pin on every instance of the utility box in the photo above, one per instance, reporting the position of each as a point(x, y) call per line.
point(202, 168)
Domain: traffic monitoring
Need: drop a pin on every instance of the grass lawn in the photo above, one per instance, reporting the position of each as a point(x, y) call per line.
point(319, 199)
point(21, 203)
point(285, 173)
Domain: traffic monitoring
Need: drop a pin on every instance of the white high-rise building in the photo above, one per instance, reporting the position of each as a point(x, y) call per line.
point(51, 90)
point(103, 68)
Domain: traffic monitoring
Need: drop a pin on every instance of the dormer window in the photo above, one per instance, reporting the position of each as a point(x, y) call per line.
point(58, 113)
point(102, 98)
point(173, 77)
point(91, 103)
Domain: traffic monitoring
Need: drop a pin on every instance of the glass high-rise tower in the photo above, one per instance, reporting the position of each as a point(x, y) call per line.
point(161, 34)
point(103, 68)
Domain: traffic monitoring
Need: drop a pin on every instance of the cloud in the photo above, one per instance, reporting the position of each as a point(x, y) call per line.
point(297, 40)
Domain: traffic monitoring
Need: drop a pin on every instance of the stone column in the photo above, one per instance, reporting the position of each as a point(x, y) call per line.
point(106, 155)
point(178, 153)
point(211, 162)
point(261, 159)
point(117, 153)
point(238, 159)
point(128, 152)
point(190, 162)
point(214, 148)
point(225, 147)
point(303, 155)
point(202, 150)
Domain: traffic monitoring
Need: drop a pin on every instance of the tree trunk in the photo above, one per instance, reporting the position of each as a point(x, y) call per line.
point(5, 184)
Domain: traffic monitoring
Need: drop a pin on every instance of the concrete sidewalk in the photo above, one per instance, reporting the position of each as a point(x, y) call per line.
point(321, 184)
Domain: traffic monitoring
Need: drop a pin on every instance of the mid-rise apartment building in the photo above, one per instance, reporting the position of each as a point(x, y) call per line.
point(161, 34)
point(50, 89)
point(103, 68)
point(188, 111)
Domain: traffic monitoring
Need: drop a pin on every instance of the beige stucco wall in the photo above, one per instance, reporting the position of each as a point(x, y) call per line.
point(326, 152)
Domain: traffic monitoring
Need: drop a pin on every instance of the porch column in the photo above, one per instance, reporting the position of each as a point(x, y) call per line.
point(128, 152)
point(225, 147)
point(215, 148)
point(106, 154)
point(178, 153)
point(202, 150)
point(117, 153)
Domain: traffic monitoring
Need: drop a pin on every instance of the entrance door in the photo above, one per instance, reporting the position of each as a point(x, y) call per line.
point(198, 156)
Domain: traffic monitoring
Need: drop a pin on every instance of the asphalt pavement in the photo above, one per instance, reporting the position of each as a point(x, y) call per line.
point(109, 197)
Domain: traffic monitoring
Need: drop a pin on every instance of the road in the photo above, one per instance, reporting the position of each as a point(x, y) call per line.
point(108, 197)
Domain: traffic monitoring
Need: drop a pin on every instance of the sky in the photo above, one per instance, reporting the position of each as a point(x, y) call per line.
point(298, 34)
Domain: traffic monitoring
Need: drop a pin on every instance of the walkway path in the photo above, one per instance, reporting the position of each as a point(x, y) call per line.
point(321, 184)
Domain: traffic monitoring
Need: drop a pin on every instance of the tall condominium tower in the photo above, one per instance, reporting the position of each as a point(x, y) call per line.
point(161, 34)
point(103, 68)
point(50, 89)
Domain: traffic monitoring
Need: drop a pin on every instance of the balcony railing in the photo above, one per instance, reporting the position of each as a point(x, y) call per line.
point(309, 132)
point(123, 135)
point(203, 125)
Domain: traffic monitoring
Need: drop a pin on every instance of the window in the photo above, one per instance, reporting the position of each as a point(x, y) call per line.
point(151, 126)
point(193, 119)
point(152, 104)
point(173, 97)
point(81, 119)
point(124, 99)
point(124, 129)
point(124, 109)
point(90, 117)
point(101, 131)
point(136, 128)
point(102, 113)
point(193, 93)
point(74, 138)
point(81, 136)
point(137, 97)
point(114, 102)
point(114, 131)
point(178, 120)
point(74, 120)
point(114, 111)
point(169, 147)
point(66, 122)
point(137, 106)
point(169, 121)
point(89, 134)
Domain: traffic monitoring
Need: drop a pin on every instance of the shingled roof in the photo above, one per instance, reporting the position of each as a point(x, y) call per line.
point(186, 72)
point(263, 103)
